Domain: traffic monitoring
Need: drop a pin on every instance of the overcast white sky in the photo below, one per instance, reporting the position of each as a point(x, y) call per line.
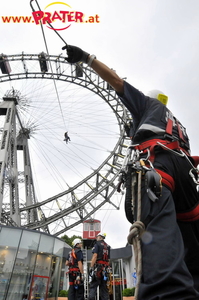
point(154, 43)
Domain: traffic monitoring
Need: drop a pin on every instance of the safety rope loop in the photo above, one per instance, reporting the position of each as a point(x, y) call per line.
point(136, 231)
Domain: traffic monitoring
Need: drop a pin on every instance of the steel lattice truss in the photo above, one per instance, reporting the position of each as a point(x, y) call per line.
point(88, 195)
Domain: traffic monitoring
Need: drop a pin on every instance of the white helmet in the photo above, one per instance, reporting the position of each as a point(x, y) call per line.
point(76, 241)
point(103, 235)
point(159, 96)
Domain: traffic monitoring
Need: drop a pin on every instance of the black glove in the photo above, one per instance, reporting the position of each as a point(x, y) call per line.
point(75, 54)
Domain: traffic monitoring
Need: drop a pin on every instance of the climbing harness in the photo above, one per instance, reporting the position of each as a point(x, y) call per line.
point(101, 267)
point(72, 258)
point(74, 270)
point(136, 162)
point(139, 163)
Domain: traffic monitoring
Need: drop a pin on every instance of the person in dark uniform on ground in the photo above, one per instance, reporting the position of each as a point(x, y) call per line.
point(170, 260)
point(99, 265)
point(76, 274)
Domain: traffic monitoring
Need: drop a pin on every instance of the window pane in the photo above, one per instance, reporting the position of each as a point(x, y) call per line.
point(55, 276)
point(46, 244)
point(97, 226)
point(58, 248)
point(56, 268)
point(9, 241)
point(24, 266)
point(86, 226)
point(39, 287)
point(43, 264)
point(44, 255)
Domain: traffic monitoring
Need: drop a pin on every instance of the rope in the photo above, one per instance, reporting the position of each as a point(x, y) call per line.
point(46, 46)
point(76, 64)
point(135, 233)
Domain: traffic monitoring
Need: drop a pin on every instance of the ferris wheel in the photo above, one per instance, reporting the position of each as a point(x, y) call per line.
point(46, 182)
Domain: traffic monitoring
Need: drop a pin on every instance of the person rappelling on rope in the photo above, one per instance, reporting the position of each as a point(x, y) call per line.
point(161, 196)
point(66, 137)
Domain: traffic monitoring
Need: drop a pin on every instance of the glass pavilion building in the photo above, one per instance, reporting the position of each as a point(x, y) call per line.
point(32, 266)
point(31, 263)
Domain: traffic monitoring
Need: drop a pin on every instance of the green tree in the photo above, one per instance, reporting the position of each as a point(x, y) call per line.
point(68, 240)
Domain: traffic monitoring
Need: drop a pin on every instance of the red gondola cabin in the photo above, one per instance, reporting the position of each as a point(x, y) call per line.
point(91, 228)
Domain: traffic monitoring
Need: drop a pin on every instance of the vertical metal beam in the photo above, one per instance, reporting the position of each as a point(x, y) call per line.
point(22, 144)
point(35, 214)
point(8, 159)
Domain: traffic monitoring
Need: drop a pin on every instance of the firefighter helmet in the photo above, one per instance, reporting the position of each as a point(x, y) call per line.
point(76, 241)
point(103, 235)
point(158, 95)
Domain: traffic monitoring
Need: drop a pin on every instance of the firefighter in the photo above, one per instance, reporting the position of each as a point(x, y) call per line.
point(76, 275)
point(99, 268)
point(170, 242)
point(66, 137)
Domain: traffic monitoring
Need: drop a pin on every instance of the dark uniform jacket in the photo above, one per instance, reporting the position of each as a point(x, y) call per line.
point(150, 117)
point(74, 256)
point(103, 251)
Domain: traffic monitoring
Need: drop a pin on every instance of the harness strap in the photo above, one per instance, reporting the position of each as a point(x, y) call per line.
point(151, 144)
point(195, 160)
point(74, 270)
point(193, 213)
point(189, 216)
point(169, 127)
point(181, 136)
point(102, 262)
point(167, 179)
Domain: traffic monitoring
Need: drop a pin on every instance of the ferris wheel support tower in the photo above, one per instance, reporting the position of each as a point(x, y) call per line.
point(8, 158)
point(9, 145)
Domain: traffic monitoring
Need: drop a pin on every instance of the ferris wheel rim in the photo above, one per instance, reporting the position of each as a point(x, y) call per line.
point(111, 96)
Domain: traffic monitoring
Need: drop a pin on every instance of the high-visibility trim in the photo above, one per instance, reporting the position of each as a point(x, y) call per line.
point(189, 216)
point(167, 179)
point(155, 129)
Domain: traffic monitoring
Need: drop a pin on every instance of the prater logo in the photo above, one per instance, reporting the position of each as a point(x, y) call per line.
point(61, 17)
